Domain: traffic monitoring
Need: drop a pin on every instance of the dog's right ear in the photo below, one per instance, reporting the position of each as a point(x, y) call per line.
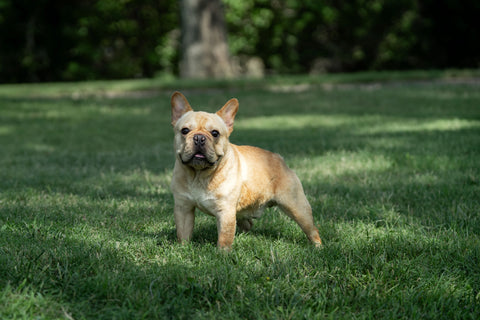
point(180, 106)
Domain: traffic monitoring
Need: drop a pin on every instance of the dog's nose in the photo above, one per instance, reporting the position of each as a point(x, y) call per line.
point(199, 139)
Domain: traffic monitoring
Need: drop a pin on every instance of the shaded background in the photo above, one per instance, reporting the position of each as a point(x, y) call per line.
point(54, 40)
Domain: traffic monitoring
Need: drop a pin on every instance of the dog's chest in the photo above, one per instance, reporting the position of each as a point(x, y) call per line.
point(203, 199)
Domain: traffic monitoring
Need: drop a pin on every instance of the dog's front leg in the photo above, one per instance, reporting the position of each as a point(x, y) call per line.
point(226, 224)
point(184, 221)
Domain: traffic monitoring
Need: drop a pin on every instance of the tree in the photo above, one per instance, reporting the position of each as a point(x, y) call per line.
point(204, 41)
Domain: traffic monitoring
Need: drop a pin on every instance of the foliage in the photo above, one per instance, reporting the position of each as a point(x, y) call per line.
point(391, 171)
point(48, 40)
point(302, 36)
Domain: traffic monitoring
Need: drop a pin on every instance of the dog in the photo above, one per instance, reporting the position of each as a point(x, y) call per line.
point(232, 183)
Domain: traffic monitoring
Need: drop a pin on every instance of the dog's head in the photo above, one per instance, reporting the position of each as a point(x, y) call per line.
point(201, 138)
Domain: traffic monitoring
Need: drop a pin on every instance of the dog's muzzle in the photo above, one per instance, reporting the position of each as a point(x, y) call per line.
point(198, 158)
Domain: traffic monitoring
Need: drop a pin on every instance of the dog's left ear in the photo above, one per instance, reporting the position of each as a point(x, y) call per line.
point(180, 106)
point(228, 112)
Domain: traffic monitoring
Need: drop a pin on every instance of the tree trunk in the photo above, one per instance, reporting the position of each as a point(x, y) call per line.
point(204, 40)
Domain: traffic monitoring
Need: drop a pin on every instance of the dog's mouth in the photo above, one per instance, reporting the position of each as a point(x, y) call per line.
point(199, 156)
point(198, 161)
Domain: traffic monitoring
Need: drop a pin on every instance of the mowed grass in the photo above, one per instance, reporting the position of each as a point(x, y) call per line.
point(392, 173)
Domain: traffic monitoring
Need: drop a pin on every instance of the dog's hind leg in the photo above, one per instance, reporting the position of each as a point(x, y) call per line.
point(294, 203)
point(302, 215)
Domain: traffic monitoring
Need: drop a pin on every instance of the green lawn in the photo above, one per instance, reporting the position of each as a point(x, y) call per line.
point(392, 172)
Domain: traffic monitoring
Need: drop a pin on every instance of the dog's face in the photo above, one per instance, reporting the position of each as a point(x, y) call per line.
point(201, 138)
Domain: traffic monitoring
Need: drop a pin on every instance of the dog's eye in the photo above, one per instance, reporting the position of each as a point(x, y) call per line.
point(185, 131)
point(215, 133)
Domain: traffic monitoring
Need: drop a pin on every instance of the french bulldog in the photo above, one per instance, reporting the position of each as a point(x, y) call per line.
point(232, 183)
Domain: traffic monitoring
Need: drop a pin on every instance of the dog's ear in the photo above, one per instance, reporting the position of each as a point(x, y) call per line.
point(228, 112)
point(180, 106)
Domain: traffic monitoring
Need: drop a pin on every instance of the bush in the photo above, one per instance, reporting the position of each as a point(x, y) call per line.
point(51, 40)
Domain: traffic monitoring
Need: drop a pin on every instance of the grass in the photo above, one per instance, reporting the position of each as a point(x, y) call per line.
point(392, 173)
point(142, 87)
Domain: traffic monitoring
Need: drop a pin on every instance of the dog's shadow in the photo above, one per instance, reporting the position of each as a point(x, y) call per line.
point(206, 233)
point(202, 234)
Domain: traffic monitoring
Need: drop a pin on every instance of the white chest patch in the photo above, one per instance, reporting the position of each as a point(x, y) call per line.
point(203, 200)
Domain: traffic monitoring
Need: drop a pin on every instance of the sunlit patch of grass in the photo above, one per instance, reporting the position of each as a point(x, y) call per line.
point(26, 303)
point(301, 121)
point(358, 124)
point(405, 126)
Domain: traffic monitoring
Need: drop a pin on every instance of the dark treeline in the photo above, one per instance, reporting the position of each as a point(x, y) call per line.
point(52, 40)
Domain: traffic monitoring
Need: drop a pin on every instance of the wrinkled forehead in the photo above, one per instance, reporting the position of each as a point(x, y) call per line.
point(199, 120)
